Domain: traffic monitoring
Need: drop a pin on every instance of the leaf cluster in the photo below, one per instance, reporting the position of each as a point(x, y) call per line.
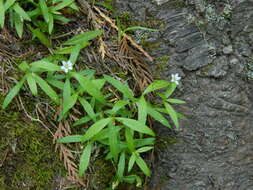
point(42, 14)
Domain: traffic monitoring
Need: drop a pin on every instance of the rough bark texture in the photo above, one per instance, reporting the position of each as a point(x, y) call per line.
point(211, 46)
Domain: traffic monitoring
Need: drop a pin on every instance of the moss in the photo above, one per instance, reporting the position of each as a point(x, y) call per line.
point(31, 162)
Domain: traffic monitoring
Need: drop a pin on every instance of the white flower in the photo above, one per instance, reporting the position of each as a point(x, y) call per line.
point(66, 66)
point(175, 78)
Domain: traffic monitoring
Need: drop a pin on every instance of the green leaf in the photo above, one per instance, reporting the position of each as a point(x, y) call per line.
point(46, 65)
point(136, 126)
point(143, 166)
point(121, 166)
point(44, 10)
point(19, 24)
point(158, 116)
point(82, 121)
point(71, 139)
point(23, 66)
point(142, 110)
point(74, 53)
point(89, 87)
point(20, 11)
point(113, 141)
point(99, 83)
point(144, 149)
point(96, 128)
point(85, 159)
point(176, 101)
point(63, 4)
point(124, 89)
point(50, 23)
point(13, 92)
point(56, 83)
point(129, 139)
point(2, 13)
point(68, 104)
point(61, 18)
point(171, 89)
point(117, 106)
point(158, 84)
point(68, 50)
point(41, 36)
point(47, 89)
point(144, 142)
point(7, 4)
point(32, 83)
point(131, 162)
point(140, 28)
point(88, 108)
point(84, 37)
point(172, 113)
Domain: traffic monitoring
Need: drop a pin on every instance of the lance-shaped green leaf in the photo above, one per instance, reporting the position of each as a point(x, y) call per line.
point(142, 110)
point(117, 106)
point(13, 92)
point(46, 88)
point(123, 88)
point(136, 125)
point(85, 159)
point(84, 37)
point(173, 114)
point(131, 162)
point(50, 23)
point(144, 149)
point(70, 139)
point(46, 65)
point(68, 104)
point(68, 50)
point(41, 36)
point(82, 120)
point(121, 166)
point(44, 10)
point(2, 13)
point(74, 53)
point(32, 83)
point(144, 142)
point(129, 139)
point(88, 108)
point(19, 24)
point(142, 165)
point(171, 89)
point(20, 11)
point(113, 141)
point(158, 84)
point(157, 116)
point(63, 4)
point(96, 128)
point(8, 4)
point(176, 101)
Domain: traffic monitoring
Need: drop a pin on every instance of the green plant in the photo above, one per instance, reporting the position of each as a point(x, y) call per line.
point(41, 13)
point(115, 120)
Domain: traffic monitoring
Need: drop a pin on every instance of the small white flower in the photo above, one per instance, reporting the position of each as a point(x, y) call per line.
point(175, 78)
point(66, 66)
